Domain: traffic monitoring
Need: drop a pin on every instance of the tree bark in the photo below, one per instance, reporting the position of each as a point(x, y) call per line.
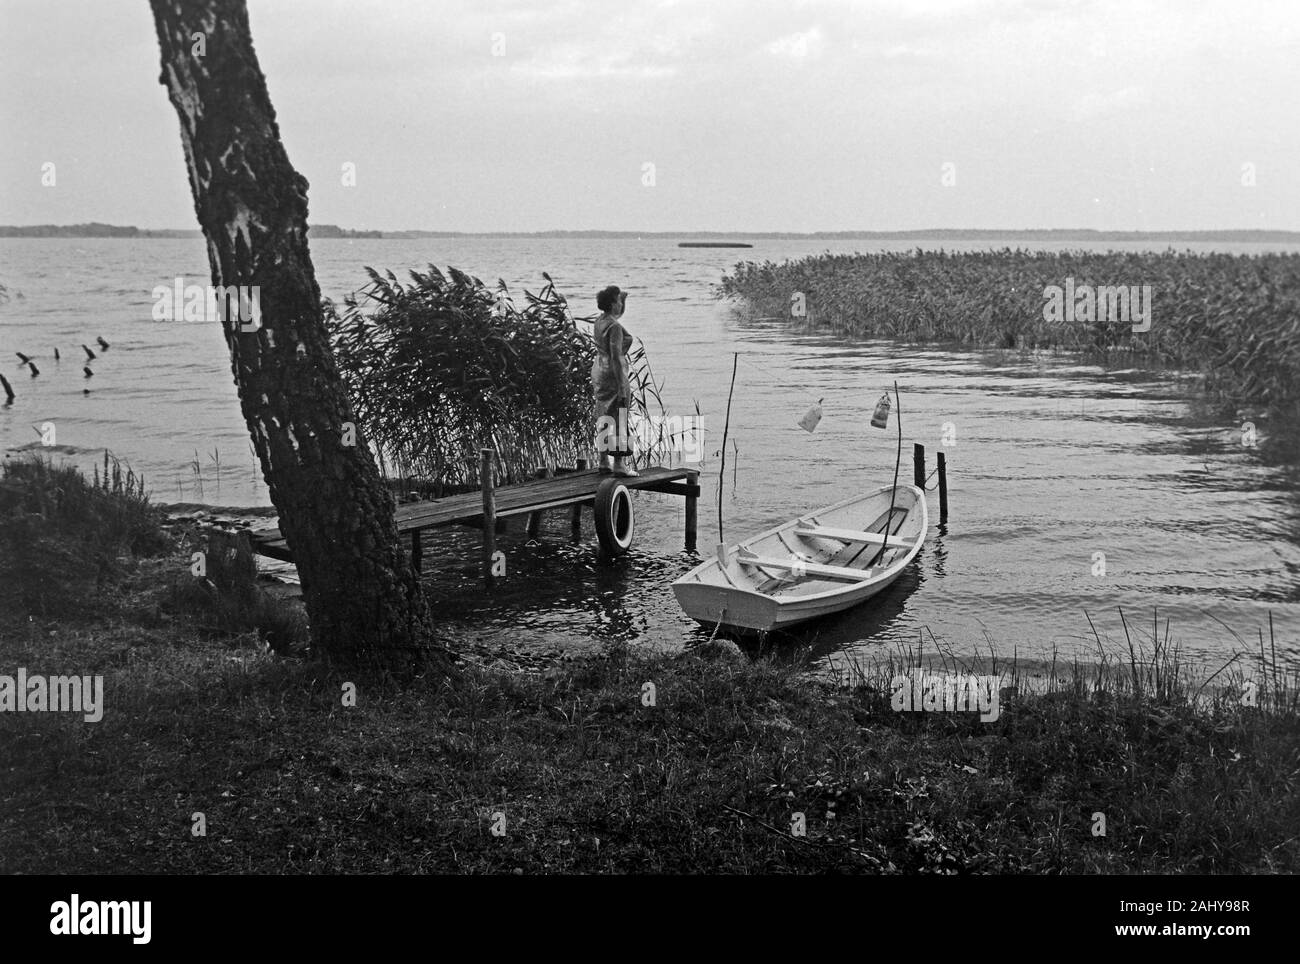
point(363, 599)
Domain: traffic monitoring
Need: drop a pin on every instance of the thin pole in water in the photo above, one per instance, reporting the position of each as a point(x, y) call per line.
point(889, 519)
point(726, 427)
point(898, 460)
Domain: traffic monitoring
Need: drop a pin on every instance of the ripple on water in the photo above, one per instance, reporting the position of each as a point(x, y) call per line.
point(1052, 460)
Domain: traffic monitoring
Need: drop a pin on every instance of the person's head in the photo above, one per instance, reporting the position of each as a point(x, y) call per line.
point(611, 300)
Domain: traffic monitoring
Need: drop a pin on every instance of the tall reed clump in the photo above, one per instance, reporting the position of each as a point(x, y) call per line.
point(1233, 318)
point(63, 535)
point(443, 366)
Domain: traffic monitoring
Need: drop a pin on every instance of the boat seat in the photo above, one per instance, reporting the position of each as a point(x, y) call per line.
point(747, 558)
point(852, 535)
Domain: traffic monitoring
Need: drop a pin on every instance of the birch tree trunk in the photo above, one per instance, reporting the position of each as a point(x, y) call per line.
point(363, 599)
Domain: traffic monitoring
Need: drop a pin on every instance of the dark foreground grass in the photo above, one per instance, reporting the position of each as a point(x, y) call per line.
point(579, 774)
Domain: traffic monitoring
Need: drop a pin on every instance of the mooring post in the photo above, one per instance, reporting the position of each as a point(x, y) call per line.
point(535, 518)
point(579, 466)
point(918, 465)
point(489, 512)
point(943, 487)
point(230, 558)
point(692, 506)
point(417, 551)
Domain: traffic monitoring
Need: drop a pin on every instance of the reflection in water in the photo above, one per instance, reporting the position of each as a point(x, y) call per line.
point(936, 549)
point(1053, 462)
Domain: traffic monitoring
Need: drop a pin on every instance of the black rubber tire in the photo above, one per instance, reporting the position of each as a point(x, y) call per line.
point(615, 523)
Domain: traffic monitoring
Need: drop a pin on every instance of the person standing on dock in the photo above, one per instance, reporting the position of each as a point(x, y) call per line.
point(610, 380)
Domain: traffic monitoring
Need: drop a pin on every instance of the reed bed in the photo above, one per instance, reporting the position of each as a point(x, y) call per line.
point(1234, 319)
point(444, 366)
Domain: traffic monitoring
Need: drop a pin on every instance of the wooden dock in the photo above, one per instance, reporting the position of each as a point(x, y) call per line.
point(567, 487)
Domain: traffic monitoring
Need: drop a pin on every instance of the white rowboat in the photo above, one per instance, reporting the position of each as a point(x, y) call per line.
point(820, 563)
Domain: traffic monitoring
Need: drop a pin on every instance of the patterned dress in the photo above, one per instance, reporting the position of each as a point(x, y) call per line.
point(609, 381)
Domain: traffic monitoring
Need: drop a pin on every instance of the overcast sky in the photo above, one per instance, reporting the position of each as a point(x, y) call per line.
point(524, 115)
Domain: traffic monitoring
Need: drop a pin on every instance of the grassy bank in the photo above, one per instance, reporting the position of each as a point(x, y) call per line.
point(1233, 318)
point(582, 775)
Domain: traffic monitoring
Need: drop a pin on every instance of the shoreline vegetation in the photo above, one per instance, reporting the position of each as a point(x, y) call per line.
point(569, 768)
point(1234, 320)
point(1236, 236)
point(442, 365)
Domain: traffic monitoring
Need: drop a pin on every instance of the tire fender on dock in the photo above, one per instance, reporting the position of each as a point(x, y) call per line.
point(615, 523)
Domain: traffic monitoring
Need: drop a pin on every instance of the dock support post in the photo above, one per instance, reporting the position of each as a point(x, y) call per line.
point(233, 562)
point(417, 551)
point(692, 508)
point(489, 512)
point(535, 518)
point(576, 521)
point(918, 465)
point(943, 487)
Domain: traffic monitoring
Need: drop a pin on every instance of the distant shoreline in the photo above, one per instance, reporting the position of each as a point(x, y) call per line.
point(328, 231)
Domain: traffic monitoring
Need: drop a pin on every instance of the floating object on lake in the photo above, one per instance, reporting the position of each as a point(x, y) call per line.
point(9, 392)
point(811, 417)
point(820, 563)
point(89, 373)
point(89, 354)
point(35, 371)
point(102, 344)
point(880, 417)
point(713, 244)
point(56, 354)
point(23, 359)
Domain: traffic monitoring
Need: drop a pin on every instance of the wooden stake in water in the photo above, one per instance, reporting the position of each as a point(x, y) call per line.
point(692, 522)
point(575, 521)
point(489, 512)
point(535, 518)
point(943, 486)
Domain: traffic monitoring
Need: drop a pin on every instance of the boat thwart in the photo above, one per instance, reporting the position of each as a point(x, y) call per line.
point(820, 563)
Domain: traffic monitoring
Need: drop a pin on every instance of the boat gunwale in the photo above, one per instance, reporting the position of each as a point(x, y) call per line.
point(890, 573)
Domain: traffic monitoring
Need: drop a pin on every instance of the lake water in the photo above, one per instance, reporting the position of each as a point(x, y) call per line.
point(1051, 461)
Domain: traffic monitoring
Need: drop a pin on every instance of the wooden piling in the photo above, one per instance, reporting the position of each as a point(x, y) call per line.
point(576, 520)
point(535, 518)
point(489, 512)
point(417, 550)
point(943, 487)
point(692, 518)
point(231, 563)
point(918, 465)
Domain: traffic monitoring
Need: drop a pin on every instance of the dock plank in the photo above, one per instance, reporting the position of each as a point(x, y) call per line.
point(534, 495)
